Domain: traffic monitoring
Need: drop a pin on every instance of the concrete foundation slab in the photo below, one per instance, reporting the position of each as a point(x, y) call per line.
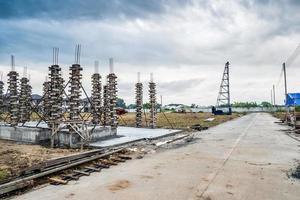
point(129, 134)
point(32, 132)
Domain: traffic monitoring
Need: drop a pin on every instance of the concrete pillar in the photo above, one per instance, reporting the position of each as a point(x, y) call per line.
point(139, 102)
point(106, 106)
point(96, 96)
point(112, 91)
point(1, 95)
point(152, 98)
point(25, 100)
point(13, 94)
point(74, 96)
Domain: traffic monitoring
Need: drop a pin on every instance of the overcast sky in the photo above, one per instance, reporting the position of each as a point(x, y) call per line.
point(184, 43)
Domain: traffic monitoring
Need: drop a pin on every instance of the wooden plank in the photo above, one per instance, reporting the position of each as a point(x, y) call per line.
point(58, 180)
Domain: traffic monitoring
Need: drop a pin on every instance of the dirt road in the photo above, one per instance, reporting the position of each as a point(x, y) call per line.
point(247, 158)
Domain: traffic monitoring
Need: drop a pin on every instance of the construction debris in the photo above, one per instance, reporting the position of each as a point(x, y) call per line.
point(209, 119)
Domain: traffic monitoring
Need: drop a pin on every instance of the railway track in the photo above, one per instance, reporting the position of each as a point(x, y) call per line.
point(64, 169)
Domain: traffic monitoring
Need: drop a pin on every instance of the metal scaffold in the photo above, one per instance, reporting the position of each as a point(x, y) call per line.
point(112, 91)
point(152, 96)
point(25, 98)
point(96, 95)
point(13, 94)
point(139, 101)
point(62, 115)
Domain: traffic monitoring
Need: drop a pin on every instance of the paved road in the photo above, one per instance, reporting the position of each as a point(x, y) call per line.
point(246, 158)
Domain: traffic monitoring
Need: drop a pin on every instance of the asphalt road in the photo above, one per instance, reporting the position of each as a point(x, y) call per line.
point(247, 158)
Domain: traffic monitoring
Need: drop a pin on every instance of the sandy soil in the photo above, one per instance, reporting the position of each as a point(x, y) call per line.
point(15, 156)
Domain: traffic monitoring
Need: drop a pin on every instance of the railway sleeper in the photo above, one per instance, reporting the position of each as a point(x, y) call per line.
point(81, 172)
point(116, 159)
point(94, 169)
point(108, 162)
point(101, 165)
point(126, 157)
point(70, 177)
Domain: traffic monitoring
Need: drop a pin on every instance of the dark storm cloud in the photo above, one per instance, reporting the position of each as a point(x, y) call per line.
point(81, 9)
point(184, 43)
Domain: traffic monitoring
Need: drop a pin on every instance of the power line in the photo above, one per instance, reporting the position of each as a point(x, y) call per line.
point(293, 56)
point(289, 62)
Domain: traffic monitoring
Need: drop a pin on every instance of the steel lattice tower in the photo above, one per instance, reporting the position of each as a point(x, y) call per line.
point(224, 93)
point(152, 96)
point(13, 94)
point(96, 95)
point(139, 102)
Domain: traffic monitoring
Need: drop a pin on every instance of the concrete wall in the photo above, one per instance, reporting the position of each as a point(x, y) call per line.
point(24, 134)
point(42, 135)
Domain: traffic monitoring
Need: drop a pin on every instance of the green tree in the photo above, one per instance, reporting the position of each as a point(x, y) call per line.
point(120, 103)
point(266, 104)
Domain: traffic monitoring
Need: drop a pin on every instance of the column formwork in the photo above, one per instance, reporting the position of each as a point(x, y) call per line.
point(138, 102)
point(152, 101)
point(25, 100)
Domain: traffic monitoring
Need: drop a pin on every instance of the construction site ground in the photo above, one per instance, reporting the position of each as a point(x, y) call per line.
point(247, 158)
point(15, 156)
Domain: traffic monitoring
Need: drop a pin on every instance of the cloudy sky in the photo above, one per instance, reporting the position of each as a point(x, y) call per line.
point(184, 43)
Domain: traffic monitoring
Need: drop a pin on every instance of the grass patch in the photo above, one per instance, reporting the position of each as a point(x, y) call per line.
point(3, 174)
point(178, 120)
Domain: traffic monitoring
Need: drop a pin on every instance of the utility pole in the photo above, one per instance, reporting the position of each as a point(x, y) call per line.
point(274, 101)
point(285, 85)
point(272, 97)
point(161, 103)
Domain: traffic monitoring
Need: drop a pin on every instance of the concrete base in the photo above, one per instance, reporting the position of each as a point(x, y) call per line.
point(41, 134)
point(25, 134)
point(131, 134)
